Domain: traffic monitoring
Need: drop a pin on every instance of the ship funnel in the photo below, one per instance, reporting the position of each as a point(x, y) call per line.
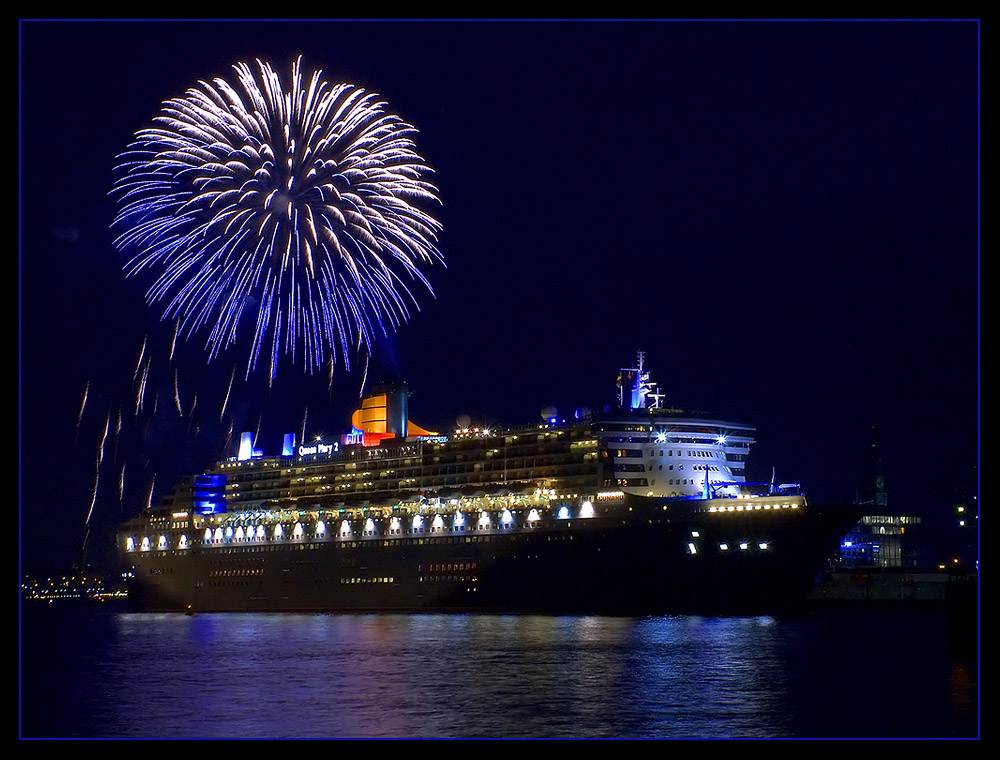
point(383, 414)
point(397, 410)
point(246, 447)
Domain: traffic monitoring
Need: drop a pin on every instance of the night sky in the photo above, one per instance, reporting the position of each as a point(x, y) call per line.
point(783, 215)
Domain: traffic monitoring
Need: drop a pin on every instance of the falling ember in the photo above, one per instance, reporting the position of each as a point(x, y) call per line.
point(364, 379)
point(83, 404)
point(225, 401)
point(173, 341)
point(104, 437)
point(141, 391)
point(79, 416)
point(93, 496)
point(290, 212)
point(177, 397)
point(192, 425)
point(142, 353)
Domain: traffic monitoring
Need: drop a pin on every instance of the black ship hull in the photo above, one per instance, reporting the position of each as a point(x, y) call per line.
point(652, 556)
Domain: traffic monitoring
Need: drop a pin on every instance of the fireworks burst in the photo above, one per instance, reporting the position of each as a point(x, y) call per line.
point(294, 210)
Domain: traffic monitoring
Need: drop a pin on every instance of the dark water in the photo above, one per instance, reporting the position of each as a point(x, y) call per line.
point(314, 675)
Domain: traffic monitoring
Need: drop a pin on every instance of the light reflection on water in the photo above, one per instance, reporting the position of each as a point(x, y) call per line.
point(302, 675)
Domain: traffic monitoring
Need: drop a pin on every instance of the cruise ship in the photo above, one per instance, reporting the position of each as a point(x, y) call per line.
point(643, 509)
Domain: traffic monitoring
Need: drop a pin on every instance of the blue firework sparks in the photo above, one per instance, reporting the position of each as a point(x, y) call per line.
point(292, 211)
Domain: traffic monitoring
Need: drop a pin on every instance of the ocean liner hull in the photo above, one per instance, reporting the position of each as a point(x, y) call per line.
point(643, 510)
point(638, 556)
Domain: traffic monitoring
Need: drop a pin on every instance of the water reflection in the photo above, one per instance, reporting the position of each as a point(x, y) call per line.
point(483, 675)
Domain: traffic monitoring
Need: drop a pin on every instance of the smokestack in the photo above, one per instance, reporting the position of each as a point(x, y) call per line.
point(397, 409)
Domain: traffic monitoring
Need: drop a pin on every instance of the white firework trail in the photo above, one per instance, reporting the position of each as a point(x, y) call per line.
point(83, 405)
point(364, 379)
point(142, 353)
point(225, 401)
point(173, 341)
point(177, 397)
point(104, 437)
point(192, 425)
point(141, 390)
point(93, 496)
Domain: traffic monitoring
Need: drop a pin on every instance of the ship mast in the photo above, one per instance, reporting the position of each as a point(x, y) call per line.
point(642, 388)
